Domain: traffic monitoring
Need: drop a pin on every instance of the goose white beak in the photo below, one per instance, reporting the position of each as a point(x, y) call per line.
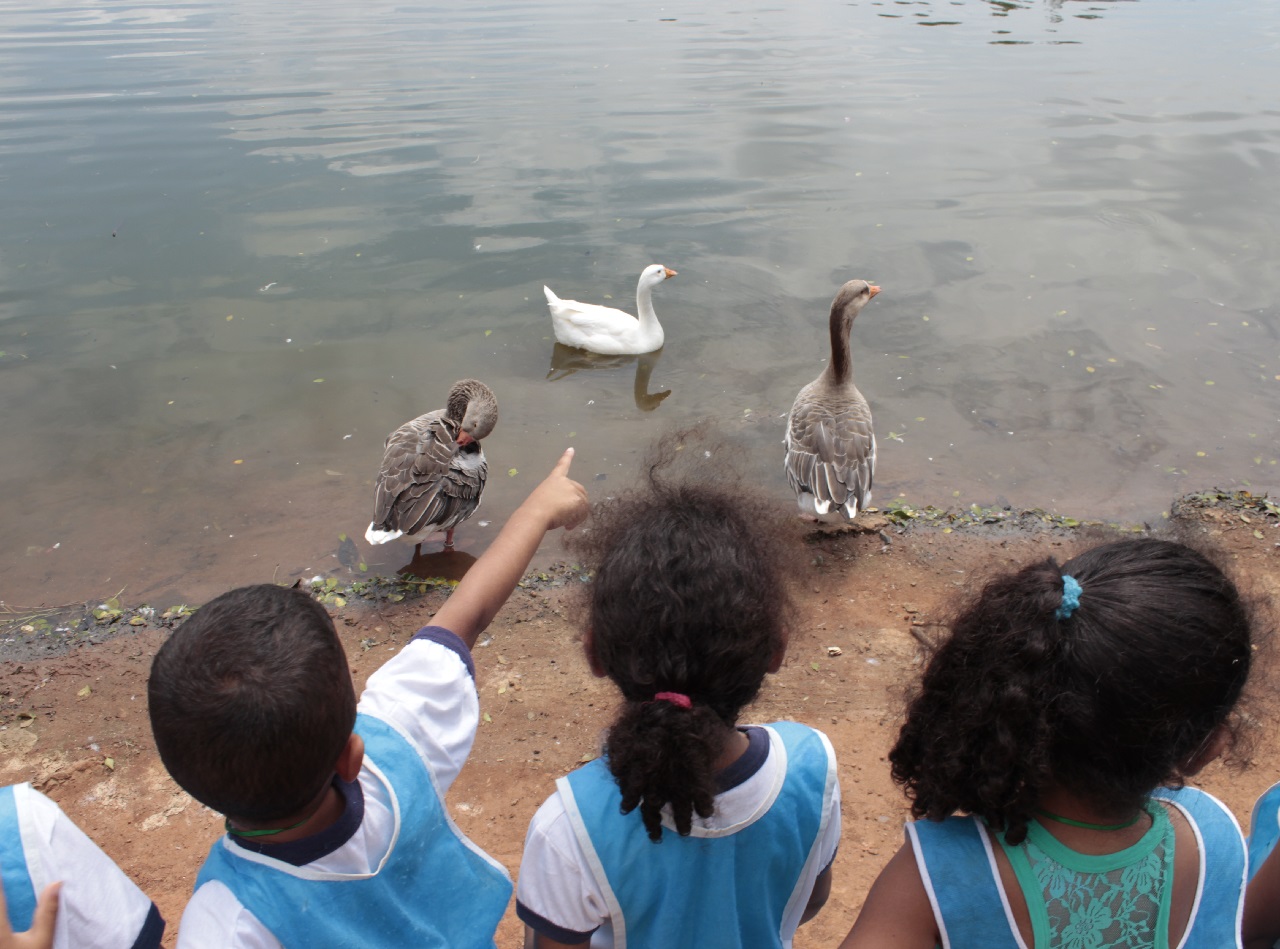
point(668, 273)
point(873, 288)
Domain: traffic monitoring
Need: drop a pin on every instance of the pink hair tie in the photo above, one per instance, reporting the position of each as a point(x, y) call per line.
point(675, 698)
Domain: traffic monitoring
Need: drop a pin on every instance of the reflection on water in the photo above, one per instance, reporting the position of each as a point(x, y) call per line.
point(443, 564)
point(243, 243)
point(566, 360)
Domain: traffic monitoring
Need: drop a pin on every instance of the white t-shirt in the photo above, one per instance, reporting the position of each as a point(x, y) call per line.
point(101, 908)
point(428, 694)
point(557, 886)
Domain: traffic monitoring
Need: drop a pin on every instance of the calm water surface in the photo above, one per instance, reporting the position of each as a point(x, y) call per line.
point(243, 240)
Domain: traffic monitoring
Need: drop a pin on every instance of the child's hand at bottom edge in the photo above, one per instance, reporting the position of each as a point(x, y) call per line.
point(559, 499)
point(40, 935)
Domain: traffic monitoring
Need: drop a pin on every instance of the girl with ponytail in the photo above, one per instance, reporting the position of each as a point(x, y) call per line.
point(690, 830)
point(1062, 716)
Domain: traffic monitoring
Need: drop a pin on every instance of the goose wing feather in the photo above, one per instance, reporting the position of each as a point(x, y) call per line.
point(446, 502)
point(831, 450)
point(415, 462)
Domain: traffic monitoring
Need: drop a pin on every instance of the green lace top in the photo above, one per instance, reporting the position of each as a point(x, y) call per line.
point(1113, 901)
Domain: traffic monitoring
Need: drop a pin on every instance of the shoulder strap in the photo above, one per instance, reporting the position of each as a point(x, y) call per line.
point(1219, 905)
point(582, 791)
point(957, 867)
point(811, 768)
point(1264, 828)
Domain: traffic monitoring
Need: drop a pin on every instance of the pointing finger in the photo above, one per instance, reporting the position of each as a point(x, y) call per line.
point(562, 466)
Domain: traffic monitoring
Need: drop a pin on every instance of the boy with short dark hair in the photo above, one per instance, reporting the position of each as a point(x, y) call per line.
point(337, 834)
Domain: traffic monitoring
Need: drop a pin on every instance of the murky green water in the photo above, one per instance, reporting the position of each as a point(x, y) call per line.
point(242, 241)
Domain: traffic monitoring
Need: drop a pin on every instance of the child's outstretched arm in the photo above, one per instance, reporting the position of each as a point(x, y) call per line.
point(556, 502)
point(1261, 924)
point(40, 935)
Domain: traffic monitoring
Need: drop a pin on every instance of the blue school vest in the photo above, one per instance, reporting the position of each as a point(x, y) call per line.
point(19, 891)
point(434, 890)
point(962, 881)
point(726, 888)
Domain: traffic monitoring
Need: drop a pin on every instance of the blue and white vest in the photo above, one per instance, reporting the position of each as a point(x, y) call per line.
point(729, 887)
point(957, 864)
point(434, 888)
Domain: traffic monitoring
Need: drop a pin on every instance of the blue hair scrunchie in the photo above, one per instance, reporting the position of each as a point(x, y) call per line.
point(1071, 591)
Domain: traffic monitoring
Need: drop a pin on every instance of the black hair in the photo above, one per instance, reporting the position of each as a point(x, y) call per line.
point(690, 595)
point(1108, 703)
point(251, 702)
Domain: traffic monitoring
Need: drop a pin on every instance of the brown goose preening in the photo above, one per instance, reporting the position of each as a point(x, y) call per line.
point(433, 469)
point(831, 448)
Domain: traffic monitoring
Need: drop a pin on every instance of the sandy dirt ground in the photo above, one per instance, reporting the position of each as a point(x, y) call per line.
point(76, 725)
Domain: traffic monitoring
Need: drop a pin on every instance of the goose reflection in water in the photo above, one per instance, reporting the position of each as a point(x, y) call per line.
point(439, 565)
point(566, 360)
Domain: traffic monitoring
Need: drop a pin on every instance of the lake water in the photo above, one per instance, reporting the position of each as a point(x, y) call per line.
point(244, 240)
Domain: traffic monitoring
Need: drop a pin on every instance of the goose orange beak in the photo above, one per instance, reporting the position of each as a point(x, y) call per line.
point(669, 273)
point(464, 439)
point(873, 288)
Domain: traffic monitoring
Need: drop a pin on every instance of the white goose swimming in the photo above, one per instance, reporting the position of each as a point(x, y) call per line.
point(602, 329)
point(433, 469)
point(831, 447)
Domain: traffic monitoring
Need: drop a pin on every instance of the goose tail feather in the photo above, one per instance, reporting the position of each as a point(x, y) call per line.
point(375, 536)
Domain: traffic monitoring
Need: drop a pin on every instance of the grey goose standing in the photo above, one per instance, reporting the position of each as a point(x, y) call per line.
point(433, 469)
point(831, 447)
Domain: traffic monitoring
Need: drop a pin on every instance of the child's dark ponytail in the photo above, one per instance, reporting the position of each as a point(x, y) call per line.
point(657, 748)
point(689, 601)
point(1105, 676)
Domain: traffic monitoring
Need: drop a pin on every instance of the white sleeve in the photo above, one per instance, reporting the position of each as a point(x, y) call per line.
point(100, 906)
point(214, 919)
point(556, 885)
point(428, 693)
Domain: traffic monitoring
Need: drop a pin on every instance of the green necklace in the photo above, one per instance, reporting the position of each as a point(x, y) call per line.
point(1072, 822)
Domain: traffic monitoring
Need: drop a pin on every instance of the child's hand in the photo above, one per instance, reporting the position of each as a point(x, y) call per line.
point(40, 935)
point(562, 501)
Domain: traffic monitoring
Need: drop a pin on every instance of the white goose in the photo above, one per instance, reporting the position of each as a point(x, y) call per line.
point(602, 329)
point(831, 447)
point(433, 469)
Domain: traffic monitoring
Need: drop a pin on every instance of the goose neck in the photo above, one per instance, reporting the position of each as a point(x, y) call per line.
point(644, 305)
point(839, 369)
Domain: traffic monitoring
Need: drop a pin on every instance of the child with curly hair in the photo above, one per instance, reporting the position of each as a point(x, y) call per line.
point(690, 830)
point(1057, 715)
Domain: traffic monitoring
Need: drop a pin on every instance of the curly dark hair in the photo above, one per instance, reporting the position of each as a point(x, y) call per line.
point(251, 702)
point(690, 595)
point(1108, 703)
